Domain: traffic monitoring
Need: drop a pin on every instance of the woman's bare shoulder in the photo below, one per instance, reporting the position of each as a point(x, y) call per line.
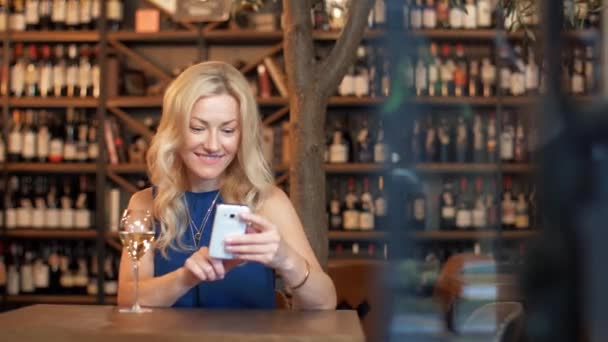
point(142, 200)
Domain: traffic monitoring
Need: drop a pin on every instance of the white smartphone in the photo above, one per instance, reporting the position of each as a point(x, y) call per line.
point(226, 223)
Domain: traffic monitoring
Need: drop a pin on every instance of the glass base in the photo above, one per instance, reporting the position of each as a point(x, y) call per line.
point(135, 309)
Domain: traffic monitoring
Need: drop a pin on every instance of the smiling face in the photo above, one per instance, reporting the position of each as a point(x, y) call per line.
point(211, 141)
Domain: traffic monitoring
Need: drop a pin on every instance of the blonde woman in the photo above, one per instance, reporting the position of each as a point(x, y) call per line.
point(206, 151)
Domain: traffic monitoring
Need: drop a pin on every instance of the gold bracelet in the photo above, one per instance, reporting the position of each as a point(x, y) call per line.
point(305, 277)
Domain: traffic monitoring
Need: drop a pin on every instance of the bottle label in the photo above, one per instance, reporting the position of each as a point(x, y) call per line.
point(82, 218)
point(416, 16)
point(2, 152)
point(72, 13)
point(93, 151)
point(66, 218)
point(518, 86)
point(71, 76)
point(27, 279)
point(362, 84)
point(429, 18)
point(380, 153)
point(51, 218)
point(85, 11)
point(24, 217)
point(29, 145)
point(95, 9)
point(17, 22)
point(31, 12)
point(338, 153)
point(448, 212)
point(84, 75)
point(479, 218)
point(38, 217)
point(347, 86)
point(69, 151)
point(532, 78)
point(96, 79)
point(42, 143)
point(508, 213)
point(114, 10)
point(56, 150)
point(15, 142)
point(484, 13)
point(17, 79)
point(3, 22)
point(366, 220)
point(41, 276)
point(470, 18)
point(59, 75)
point(421, 80)
point(351, 219)
point(505, 78)
point(380, 205)
point(419, 209)
point(456, 18)
point(463, 218)
point(578, 84)
point(46, 79)
point(59, 11)
point(506, 146)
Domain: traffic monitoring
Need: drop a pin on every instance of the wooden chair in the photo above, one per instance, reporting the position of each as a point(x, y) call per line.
point(359, 287)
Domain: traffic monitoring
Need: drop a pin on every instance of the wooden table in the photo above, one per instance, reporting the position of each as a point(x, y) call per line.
point(89, 323)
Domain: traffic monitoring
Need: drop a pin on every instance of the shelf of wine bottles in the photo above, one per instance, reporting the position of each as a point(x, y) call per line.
point(49, 202)
point(56, 272)
point(47, 140)
point(432, 235)
point(451, 205)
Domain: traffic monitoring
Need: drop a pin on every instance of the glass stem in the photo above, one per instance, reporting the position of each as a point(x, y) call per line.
point(136, 306)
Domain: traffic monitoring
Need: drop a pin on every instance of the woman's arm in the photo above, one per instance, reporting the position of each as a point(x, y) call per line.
point(282, 244)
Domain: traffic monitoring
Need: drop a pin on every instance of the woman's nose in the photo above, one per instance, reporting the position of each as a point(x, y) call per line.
point(211, 142)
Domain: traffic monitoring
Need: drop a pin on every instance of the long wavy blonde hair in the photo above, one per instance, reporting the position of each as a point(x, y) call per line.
point(244, 181)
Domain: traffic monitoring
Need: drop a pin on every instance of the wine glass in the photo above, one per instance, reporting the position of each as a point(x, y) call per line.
point(136, 234)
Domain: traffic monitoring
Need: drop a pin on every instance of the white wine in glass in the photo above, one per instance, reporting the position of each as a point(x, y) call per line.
point(136, 234)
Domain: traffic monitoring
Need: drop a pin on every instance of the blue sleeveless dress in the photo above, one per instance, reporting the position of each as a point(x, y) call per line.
point(248, 286)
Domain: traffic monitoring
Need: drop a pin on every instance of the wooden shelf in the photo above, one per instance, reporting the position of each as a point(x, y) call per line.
point(53, 299)
point(353, 168)
point(54, 102)
point(247, 36)
point(357, 235)
point(52, 167)
point(185, 36)
point(477, 101)
point(157, 101)
point(55, 36)
point(46, 233)
point(473, 168)
point(440, 235)
point(128, 168)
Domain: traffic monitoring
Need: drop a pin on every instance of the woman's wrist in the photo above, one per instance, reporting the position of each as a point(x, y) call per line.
point(295, 271)
point(187, 278)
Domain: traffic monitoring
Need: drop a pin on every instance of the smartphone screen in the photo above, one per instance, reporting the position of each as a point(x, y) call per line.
point(226, 223)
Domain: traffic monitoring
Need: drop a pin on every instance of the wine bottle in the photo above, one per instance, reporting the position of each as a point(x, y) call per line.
point(366, 215)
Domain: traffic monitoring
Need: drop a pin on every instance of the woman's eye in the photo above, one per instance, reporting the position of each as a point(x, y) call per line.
point(197, 129)
point(229, 130)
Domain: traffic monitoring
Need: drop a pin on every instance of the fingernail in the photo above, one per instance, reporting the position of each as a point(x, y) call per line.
point(228, 241)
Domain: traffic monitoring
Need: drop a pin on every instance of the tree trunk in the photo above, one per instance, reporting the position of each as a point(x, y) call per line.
point(310, 84)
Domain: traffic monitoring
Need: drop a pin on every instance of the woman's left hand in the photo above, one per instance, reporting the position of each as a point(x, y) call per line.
point(262, 243)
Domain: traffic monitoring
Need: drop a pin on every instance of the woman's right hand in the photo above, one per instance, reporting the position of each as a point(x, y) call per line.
point(206, 268)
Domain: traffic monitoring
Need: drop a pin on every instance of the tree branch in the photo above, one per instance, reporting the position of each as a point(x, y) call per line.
point(298, 45)
point(343, 53)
